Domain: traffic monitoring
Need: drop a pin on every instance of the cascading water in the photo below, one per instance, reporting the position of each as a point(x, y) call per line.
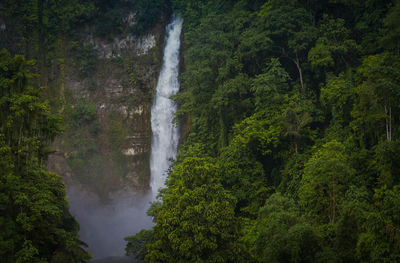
point(165, 133)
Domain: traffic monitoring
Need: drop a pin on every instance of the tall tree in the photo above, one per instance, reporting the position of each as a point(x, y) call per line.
point(290, 27)
point(326, 176)
point(196, 222)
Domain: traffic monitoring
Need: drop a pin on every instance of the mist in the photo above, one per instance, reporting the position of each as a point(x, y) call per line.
point(104, 225)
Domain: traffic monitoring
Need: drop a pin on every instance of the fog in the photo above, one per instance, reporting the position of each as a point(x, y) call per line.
point(104, 225)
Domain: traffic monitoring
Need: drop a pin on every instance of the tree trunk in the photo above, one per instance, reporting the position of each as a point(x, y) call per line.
point(388, 120)
point(297, 62)
point(333, 202)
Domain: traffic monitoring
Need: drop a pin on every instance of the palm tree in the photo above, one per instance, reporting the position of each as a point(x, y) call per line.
point(294, 121)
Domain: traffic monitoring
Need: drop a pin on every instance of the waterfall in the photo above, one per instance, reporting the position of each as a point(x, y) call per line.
point(165, 133)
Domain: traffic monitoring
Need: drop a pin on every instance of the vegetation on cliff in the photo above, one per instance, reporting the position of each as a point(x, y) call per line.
point(291, 148)
point(101, 85)
point(34, 219)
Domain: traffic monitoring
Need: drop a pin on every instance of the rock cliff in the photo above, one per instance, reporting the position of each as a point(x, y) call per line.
point(106, 92)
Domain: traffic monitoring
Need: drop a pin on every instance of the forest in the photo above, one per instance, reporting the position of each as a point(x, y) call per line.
point(289, 112)
point(290, 149)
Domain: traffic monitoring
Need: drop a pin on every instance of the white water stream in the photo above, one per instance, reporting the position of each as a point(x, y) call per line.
point(165, 133)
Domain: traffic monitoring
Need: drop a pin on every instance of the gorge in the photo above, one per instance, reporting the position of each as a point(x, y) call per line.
point(287, 148)
point(104, 225)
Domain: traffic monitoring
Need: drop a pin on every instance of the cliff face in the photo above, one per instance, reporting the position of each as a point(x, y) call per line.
point(105, 96)
point(102, 86)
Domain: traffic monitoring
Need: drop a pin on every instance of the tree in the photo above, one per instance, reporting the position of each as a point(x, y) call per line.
point(196, 221)
point(270, 86)
point(232, 102)
point(391, 38)
point(334, 46)
point(280, 234)
point(136, 245)
point(297, 117)
point(243, 174)
point(381, 240)
point(380, 84)
point(245, 165)
point(338, 96)
point(326, 176)
point(290, 28)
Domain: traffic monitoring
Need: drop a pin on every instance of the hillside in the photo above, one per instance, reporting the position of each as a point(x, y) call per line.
point(291, 146)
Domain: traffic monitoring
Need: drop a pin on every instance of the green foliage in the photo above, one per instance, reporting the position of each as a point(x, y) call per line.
point(324, 181)
point(36, 26)
point(378, 93)
point(385, 163)
point(270, 86)
point(148, 13)
point(136, 245)
point(243, 174)
point(280, 234)
point(85, 58)
point(334, 45)
point(82, 114)
point(33, 206)
point(313, 170)
point(117, 132)
point(338, 96)
point(380, 242)
point(194, 192)
point(298, 115)
point(391, 38)
point(110, 23)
